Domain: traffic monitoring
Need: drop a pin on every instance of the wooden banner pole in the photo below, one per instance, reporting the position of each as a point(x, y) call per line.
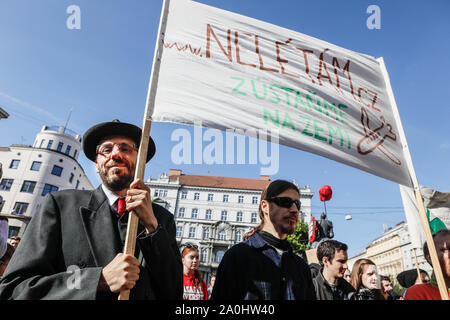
point(431, 247)
point(422, 213)
point(419, 276)
point(133, 221)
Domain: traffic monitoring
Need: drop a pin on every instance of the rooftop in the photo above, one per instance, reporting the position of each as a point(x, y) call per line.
point(219, 182)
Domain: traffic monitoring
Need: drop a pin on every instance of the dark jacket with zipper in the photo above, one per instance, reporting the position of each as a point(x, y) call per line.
point(324, 291)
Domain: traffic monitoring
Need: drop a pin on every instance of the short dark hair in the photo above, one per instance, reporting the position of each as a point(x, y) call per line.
point(385, 278)
point(328, 248)
point(426, 251)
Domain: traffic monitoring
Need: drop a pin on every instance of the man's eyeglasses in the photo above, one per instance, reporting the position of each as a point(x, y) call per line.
point(285, 202)
point(107, 148)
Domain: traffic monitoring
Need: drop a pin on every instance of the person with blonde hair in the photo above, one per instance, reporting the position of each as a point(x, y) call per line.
point(365, 280)
point(264, 266)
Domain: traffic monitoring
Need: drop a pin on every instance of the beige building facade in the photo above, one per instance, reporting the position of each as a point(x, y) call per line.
point(386, 253)
point(393, 253)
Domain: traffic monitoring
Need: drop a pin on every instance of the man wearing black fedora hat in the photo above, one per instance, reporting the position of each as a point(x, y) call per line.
point(72, 248)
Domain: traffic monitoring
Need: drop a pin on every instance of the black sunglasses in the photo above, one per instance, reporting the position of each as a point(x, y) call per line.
point(190, 245)
point(285, 202)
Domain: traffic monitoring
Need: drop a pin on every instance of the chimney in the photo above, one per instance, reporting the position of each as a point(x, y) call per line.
point(265, 178)
point(174, 173)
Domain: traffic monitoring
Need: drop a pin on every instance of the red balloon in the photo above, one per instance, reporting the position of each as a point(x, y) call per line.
point(325, 193)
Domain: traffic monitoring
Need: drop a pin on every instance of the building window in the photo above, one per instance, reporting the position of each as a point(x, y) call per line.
point(192, 232)
point(48, 188)
point(208, 214)
point(57, 170)
point(255, 200)
point(238, 236)
point(28, 186)
point(2, 203)
point(36, 166)
point(210, 197)
point(205, 234)
point(49, 145)
point(75, 154)
point(6, 184)
point(196, 196)
point(42, 143)
point(68, 149)
point(223, 215)
point(253, 217)
point(225, 198)
point(160, 193)
point(219, 256)
point(241, 199)
point(181, 212)
point(204, 255)
point(194, 213)
point(13, 231)
point(239, 216)
point(20, 208)
point(71, 177)
point(179, 231)
point(59, 147)
point(14, 164)
point(78, 183)
point(183, 194)
point(222, 235)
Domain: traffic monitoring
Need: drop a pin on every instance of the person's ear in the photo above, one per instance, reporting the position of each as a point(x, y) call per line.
point(265, 207)
point(325, 261)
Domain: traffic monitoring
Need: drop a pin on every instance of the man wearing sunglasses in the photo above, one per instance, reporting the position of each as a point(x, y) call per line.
point(72, 248)
point(263, 266)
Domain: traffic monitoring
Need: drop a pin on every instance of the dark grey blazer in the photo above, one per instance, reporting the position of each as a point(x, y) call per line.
point(70, 240)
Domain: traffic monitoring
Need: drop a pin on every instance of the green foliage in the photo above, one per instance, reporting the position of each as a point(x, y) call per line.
point(299, 239)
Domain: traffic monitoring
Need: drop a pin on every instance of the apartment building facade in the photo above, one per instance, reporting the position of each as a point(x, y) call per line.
point(214, 212)
point(30, 172)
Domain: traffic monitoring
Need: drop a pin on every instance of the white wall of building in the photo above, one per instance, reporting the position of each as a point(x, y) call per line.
point(58, 158)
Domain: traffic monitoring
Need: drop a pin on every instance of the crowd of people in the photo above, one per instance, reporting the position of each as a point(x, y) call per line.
point(85, 230)
point(333, 280)
point(264, 267)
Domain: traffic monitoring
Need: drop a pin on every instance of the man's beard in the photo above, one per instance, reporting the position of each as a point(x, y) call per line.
point(115, 182)
point(284, 229)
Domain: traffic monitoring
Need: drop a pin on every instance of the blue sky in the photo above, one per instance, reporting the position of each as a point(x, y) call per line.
point(101, 72)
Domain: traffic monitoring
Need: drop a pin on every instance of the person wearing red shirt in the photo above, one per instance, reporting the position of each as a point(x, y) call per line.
point(431, 291)
point(194, 285)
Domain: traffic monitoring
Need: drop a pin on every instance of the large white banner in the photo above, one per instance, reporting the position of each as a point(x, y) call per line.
point(234, 72)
